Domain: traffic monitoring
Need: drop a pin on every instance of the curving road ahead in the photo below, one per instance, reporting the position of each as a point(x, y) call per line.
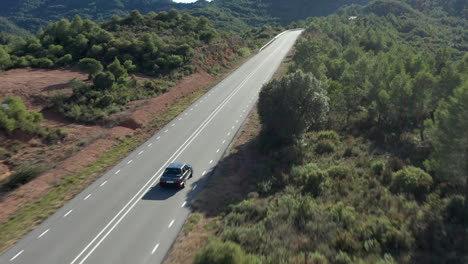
point(125, 217)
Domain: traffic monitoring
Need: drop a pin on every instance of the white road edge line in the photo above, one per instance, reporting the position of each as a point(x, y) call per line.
point(155, 248)
point(43, 233)
point(152, 180)
point(87, 196)
point(102, 184)
point(69, 212)
point(183, 205)
point(19, 253)
point(172, 222)
point(117, 172)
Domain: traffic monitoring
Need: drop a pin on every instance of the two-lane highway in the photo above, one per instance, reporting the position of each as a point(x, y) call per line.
point(125, 217)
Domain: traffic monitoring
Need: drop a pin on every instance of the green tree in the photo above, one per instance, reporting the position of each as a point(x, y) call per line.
point(292, 105)
point(14, 115)
point(90, 66)
point(118, 70)
point(5, 61)
point(104, 80)
point(449, 135)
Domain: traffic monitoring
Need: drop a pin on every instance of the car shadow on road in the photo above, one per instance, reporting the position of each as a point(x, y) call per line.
point(156, 193)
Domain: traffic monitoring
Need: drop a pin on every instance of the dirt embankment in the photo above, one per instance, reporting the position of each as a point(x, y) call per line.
point(84, 143)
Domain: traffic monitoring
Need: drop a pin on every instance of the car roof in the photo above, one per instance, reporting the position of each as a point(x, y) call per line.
point(176, 165)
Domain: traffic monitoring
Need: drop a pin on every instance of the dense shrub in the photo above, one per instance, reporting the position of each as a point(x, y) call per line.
point(309, 177)
point(378, 167)
point(22, 174)
point(411, 180)
point(325, 147)
point(340, 172)
point(457, 210)
point(223, 253)
point(14, 115)
point(328, 135)
point(42, 63)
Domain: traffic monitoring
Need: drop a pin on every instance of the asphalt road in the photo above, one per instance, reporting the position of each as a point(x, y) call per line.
point(125, 217)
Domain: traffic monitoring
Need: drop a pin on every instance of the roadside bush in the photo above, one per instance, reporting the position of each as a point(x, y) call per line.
point(329, 135)
point(309, 176)
point(324, 147)
point(340, 172)
point(411, 180)
point(220, 252)
point(22, 175)
point(55, 135)
point(317, 258)
point(342, 258)
point(378, 167)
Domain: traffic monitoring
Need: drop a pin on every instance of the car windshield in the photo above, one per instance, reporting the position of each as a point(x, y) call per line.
point(172, 172)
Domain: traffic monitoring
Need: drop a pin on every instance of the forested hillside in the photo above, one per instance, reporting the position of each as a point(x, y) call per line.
point(228, 14)
point(364, 147)
point(167, 45)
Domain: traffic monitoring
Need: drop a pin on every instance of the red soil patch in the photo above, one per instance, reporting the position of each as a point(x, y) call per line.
point(35, 85)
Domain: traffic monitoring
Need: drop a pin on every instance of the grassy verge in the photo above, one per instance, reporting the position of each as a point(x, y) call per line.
point(27, 218)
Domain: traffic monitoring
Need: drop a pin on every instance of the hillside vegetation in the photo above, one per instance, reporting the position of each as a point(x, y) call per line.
point(167, 45)
point(364, 147)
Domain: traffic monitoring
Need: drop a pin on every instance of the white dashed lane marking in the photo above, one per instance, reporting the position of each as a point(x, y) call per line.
point(87, 196)
point(167, 130)
point(141, 152)
point(69, 212)
point(19, 253)
point(204, 172)
point(224, 141)
point(117, 172)
point(217, 151)
point(43, 233)
point(104, 183)
point(211, 161)
point(172, 222)
point(154, 249)
point(130, 161)
point(194, 187)
point(183, 205)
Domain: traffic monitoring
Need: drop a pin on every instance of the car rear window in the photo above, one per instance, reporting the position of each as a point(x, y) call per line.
point(172, 172)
